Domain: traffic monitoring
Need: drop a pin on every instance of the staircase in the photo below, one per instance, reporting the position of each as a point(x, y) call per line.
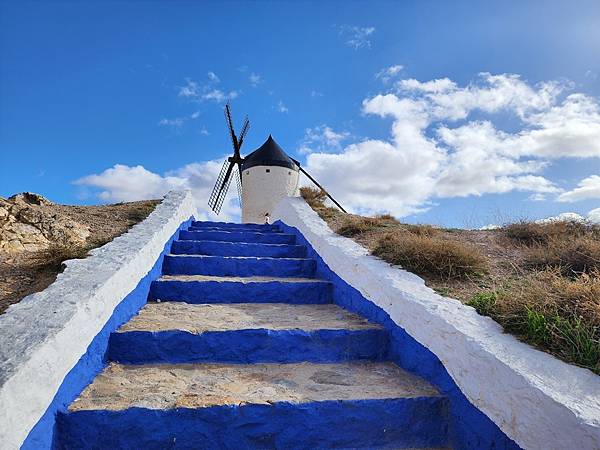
point(241, 347)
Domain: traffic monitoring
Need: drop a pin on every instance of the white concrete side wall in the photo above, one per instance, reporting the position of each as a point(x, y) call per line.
point(262, 190)
point(43, 336)
point(537, 400)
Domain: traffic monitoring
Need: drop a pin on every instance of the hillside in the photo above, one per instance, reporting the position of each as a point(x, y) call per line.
point(540, 281)
point(37, 235)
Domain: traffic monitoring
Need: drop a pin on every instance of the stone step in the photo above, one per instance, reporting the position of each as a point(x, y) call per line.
point(175, 332)
point(257, 406)
point(238, 236)
point(241, 266)
point(213, 289)
point(220, 248)
point(234, 226)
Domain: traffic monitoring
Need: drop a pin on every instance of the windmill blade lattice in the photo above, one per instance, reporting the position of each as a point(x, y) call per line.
point(238, 182)
point(244, 132)
point(219, 192)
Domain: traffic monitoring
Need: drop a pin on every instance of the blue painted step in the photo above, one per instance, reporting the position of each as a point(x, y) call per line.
point(220, 248)
point(249, 229)
point(238, 236)
point(205, 289)
point(241, 266)
point(247, 346)
point(174, 332)
point(243, 349)
point(379, 424)
point(234, 226)
point(256, 406)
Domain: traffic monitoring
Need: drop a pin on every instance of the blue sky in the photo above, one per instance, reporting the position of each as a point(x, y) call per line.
point(110, 101)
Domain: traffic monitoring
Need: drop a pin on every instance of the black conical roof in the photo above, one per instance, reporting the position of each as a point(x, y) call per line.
point(269, 154)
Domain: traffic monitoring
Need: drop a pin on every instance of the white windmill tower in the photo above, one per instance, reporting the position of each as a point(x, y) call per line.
point(263, 177)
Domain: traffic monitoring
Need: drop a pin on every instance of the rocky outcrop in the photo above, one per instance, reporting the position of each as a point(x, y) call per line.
point(30, 222)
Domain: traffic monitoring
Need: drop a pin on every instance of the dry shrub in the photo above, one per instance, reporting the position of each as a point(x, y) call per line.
point(572, 255)
point(355, 225)
point(431, 256)
point(558, 314)
point(531, 233)
point(421, 230)
point(314, 197)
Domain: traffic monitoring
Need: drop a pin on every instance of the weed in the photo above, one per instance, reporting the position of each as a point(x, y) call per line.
point(483, 302)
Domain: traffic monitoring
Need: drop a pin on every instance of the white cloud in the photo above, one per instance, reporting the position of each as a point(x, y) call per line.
point(437, 150)
point(315, 94)
point(190, 90)
point(440, 85)
point(175, 123)
point(356, 37)
point(385, 75)
point(123, 183)
point(281, 107)
point(255, 79)
point(207, 92)
point(587, 188)
point(322, 139)
point(212, 77)
point(563, 217)
point(538, 197)
point(594, 216)
point(219, 96)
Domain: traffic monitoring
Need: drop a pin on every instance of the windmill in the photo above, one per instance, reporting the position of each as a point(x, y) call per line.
point(269, 174)
point(219, 192)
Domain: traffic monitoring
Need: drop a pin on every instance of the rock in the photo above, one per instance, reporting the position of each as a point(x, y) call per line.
point(30, 198)
point(31, 222)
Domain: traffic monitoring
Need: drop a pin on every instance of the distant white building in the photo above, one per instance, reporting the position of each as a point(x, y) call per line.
point(268, 175)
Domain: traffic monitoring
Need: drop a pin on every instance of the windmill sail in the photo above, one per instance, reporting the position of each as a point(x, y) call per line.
point(219, 192)
point(238, 183)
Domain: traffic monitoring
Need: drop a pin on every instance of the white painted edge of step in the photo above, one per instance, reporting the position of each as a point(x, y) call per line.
point(537, 400)
point(43, 336)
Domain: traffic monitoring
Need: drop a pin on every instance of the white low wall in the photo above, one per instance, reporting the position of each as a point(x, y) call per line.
point(43, 336)
point(537, 400)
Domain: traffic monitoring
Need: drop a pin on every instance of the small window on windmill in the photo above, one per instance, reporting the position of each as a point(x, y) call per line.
point(268, 170)
point(247, 172)
point(290, 172)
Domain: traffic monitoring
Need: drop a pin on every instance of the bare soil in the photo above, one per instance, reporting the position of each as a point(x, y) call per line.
point(28, 272)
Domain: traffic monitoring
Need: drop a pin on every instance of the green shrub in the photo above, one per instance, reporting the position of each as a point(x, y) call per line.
point(483, 302)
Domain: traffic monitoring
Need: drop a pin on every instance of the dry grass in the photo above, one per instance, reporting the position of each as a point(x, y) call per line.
point(355, 225)
point(555, 313)
point(571, 255)
point(435, 257)
point(541, 282)
point(531, 233)
point(316, 199)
